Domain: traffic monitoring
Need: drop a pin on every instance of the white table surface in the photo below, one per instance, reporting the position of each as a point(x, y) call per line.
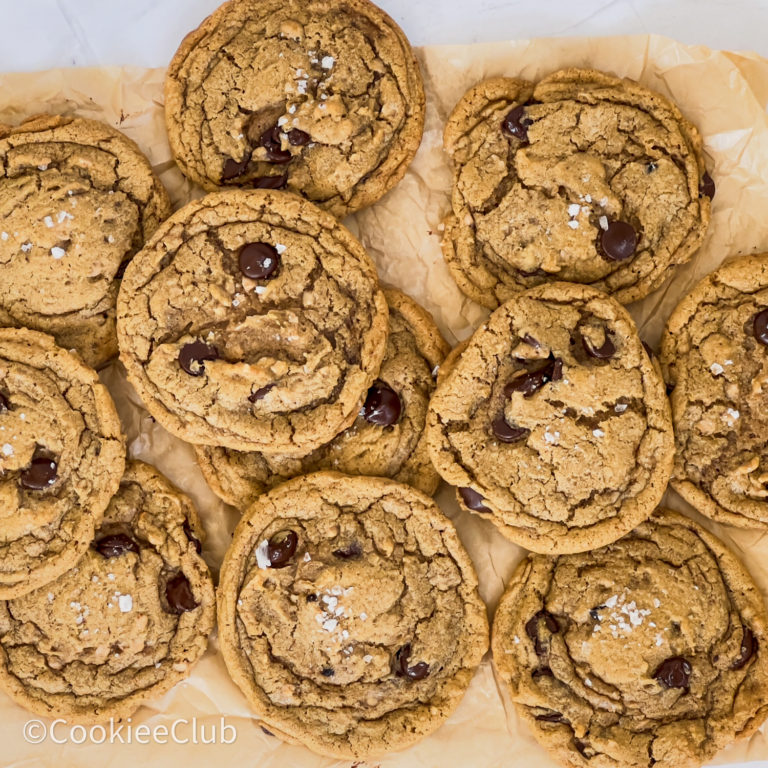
point(40, 34)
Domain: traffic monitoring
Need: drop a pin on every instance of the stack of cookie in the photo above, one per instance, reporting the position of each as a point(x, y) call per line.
point(326, 407)
point(105, 601)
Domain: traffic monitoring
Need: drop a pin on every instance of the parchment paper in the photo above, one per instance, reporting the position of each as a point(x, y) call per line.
point(724, 94)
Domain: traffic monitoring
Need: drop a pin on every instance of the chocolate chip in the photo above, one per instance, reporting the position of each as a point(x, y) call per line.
point(254, 397)
point(528, 339)
point(281, 547)
point(348, 552)
point(619, 241)
point(473, 500)
point(269, 733)
point(595, 612)
point(327, 672)
point(551, 717)
point(40, 474)
point(402, 669)
point(516, 123)
point(233, 168)
point(4, 404)
point(707, 186)
point(760, 327)
point(604, 352)
point(529, 382)
point(311, 597)
point(115, 544)
point(298, 138)
point(541, 672)
point(532, 629)
point(650, 167)
point(505, 432)
point(584, 749)
point(179, 595)
point(192, 357)
point(748, 648)
point(259, 261)
point(270, 140)
point(382, 405)
point(191, 537)
point(674, 672)
point(269, 182)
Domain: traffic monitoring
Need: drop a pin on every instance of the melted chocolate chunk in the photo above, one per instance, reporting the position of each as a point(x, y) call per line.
point(473, 500)
point(748, 648)
point(270, 140)
point(416, 671)
point(619, 241)
point(530, 382)
point(516, 123)
point(505, 432)
point(192, 357)
point(269, 182)
point(179, 595)
point(40, 474)
point(760, 327)
point(382, 405)
point(348, 552)
point(604, 352)
point(297, 138)
point(707, 186)
point(254, 397)
point(281, 548)
point(115, 544)
point(674, 672)
point(259, 261)
point(191, 537)
point(233, 168)
point(532, 629)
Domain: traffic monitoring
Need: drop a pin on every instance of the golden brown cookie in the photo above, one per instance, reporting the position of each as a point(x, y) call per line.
point(252, 320)
point(553, 421)
point(349, 614)
point(126, 623)
point(387, 437)
point(715, 358)
point(320, 97)
point(61, 457)
point(650, 651)
point(581, 177)
point(77, 200)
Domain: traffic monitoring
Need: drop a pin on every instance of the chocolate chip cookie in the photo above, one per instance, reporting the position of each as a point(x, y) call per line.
point(349, 614)
point(320, 97)
point(77, 200)
point(387, 437)
point(581, 177)
point(650, 651)
point(61, 457)
point(715, 358)
point(553, 421)
point(252, 320)
point(126, 623)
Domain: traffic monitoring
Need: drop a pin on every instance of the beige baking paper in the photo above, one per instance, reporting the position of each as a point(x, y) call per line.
point(724, 94)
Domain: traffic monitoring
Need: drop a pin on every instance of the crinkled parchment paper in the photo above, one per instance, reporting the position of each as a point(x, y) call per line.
point(724, 94)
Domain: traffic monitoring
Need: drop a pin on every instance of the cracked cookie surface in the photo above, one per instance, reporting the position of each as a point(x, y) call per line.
point(715, 356)
point(650, 651)
point(554, 422)
point(126, 623)
point(77, 200)
point(582, 177)
point(387, 437)
point(61, 457)
point(349, 614)
point(323, 98)
point(252, 320)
